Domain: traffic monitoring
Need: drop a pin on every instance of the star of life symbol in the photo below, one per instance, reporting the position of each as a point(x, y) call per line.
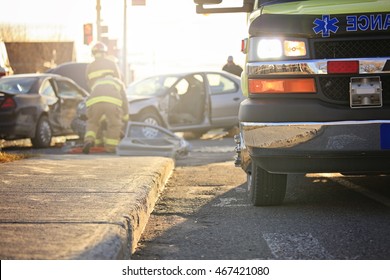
point(325, 25)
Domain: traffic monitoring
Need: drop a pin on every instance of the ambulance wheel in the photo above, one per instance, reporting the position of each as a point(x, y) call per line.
point(266, 189)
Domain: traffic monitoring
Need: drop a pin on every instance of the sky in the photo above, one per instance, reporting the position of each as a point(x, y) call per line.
point(163, 36)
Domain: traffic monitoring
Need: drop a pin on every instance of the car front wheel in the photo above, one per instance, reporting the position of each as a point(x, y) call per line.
point(266, 189)
point(43, 134)
point(152, 119)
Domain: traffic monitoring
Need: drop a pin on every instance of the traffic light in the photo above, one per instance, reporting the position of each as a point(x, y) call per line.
point(103, 29)
point(138, 2)
point(88, 33)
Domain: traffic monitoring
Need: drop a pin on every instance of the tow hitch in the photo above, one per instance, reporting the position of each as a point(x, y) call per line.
point(365, 92)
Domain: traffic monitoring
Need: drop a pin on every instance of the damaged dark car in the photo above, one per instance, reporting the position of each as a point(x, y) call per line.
point(38, 106)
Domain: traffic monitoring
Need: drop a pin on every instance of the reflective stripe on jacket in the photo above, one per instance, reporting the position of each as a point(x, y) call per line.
point(107, 99)
point(100, 73)
point(101, 67)
point(110, 82)
point(111, 141)
point(110, 90)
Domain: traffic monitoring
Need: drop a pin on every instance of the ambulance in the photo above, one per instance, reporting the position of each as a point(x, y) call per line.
point(317, 87)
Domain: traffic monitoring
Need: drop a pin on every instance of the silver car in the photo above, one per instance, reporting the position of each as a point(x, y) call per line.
point(187, 102)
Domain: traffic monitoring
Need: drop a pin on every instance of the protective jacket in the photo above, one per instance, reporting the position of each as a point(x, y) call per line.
point(107, 103)
point(101, 67)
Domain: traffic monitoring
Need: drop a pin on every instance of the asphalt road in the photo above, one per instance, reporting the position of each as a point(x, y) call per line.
point(204, 213)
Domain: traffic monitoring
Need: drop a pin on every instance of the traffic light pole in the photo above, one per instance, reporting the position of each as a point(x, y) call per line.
point(124, 54)
point(99, 34)
point(98, 20)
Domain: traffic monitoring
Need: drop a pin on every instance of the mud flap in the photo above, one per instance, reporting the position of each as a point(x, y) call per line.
point(163, 143)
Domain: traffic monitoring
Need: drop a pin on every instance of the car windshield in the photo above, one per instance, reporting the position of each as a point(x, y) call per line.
point(151, 86)
point(16, 85)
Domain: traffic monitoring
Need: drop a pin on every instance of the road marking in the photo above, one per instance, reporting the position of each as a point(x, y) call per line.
point(229, 202)
point(348, 184)
point(300, 246)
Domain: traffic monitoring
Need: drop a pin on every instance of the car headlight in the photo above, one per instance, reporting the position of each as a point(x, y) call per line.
point(265, 48)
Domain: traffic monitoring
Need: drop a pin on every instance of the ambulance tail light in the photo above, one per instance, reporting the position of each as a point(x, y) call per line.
point(343, 67)
point(282, 86)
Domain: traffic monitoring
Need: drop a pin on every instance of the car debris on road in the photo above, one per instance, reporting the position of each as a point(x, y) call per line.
point(134, 143)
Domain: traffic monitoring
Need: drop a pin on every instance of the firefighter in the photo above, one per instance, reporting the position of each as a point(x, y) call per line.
point(107, 103)
point(102, 65)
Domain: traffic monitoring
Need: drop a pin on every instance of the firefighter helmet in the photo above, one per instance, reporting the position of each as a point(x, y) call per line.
point(99, 47)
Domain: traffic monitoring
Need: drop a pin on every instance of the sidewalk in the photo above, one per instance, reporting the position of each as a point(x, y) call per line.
point(77, 206)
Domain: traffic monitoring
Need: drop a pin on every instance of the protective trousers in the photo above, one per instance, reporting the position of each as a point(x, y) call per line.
point(112, 114)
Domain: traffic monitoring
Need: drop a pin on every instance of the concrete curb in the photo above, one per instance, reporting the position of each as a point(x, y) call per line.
point(78, 206)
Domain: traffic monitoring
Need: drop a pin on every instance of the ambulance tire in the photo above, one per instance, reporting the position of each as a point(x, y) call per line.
point(266, 189)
